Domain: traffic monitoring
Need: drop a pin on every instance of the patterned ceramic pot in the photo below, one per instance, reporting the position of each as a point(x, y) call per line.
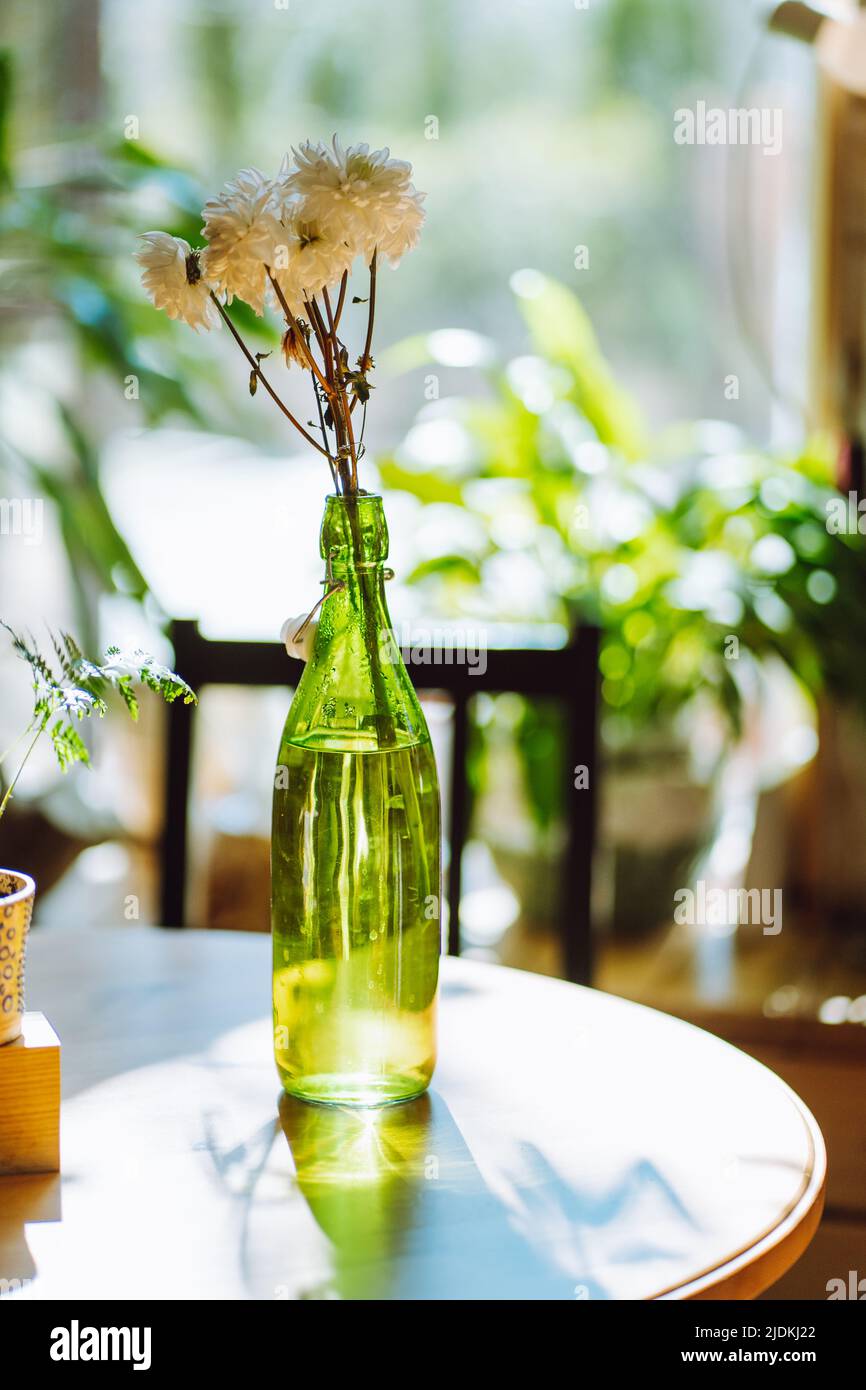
point(17, 892)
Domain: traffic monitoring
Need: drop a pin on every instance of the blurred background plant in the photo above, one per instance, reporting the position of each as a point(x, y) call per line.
point(671, 543)
point(80, 342)
point(722, 597)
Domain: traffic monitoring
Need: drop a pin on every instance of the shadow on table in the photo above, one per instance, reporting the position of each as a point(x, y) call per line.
point(24, 1198)
point(407, 1213)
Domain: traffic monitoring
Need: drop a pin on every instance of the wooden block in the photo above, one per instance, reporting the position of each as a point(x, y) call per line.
point(30, 1099)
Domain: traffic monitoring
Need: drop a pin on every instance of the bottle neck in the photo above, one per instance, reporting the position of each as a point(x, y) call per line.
point(357, 594)
point(354, 546)
point(345, 571)
point(355, 688)
point(354, 534)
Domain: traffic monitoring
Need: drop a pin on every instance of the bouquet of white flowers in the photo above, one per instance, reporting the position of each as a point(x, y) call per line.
point(290, 244)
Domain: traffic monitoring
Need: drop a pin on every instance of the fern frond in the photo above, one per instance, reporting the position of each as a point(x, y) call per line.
point(80, 689)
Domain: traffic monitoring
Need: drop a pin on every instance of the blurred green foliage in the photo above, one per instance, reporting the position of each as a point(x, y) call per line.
point(69, 217)
point(696, 554)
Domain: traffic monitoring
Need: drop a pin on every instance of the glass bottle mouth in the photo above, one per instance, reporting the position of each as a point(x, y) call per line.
point(354, 531)
point(359, 498)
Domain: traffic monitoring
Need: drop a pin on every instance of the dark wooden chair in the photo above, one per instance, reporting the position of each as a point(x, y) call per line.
point(567, 674)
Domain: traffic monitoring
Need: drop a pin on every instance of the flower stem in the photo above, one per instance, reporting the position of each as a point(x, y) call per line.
point(317, 321)
point(338, 313)
point(293, 323)
point(254, 367)
point(365, 361)
point(330, 353)
point(341, 389)
point(369, 582)
point(324, 431)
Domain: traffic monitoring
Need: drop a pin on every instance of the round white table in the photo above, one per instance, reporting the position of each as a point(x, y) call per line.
point(573, 1145)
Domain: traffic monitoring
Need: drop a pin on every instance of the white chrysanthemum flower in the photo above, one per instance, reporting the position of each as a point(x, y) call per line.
point(308, 257)
point(173, 279)
point(365, 199)
point(242, 228)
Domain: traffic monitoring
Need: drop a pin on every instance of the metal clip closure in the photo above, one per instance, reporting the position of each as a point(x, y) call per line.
point(333, 587)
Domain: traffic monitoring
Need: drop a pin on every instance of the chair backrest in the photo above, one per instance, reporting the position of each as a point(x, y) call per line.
point(568, 674)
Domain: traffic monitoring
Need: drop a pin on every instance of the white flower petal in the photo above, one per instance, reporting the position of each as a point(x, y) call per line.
point(174, 281)
point(309, 257)
point(364, 199)
point(242, 229)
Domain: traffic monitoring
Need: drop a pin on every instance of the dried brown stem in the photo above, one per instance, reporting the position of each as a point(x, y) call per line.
point(341, 389)
point(365, 361)
point(324, 430)
point(293, 323)
point(318, 323)
point(329, 353)
point(254, 367)
point(338, 312)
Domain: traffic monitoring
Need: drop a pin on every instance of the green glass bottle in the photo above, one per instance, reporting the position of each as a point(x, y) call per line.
point(355, 864)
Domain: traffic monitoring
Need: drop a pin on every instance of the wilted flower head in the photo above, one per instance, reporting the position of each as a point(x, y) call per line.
point(174, 281)
point(294, 342)
point(243, 231)
point(365, 199)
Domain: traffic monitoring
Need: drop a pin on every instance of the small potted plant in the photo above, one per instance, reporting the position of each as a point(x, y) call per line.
point(64, 693)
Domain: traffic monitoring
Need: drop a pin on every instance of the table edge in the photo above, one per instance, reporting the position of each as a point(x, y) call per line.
point(752, 1270)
